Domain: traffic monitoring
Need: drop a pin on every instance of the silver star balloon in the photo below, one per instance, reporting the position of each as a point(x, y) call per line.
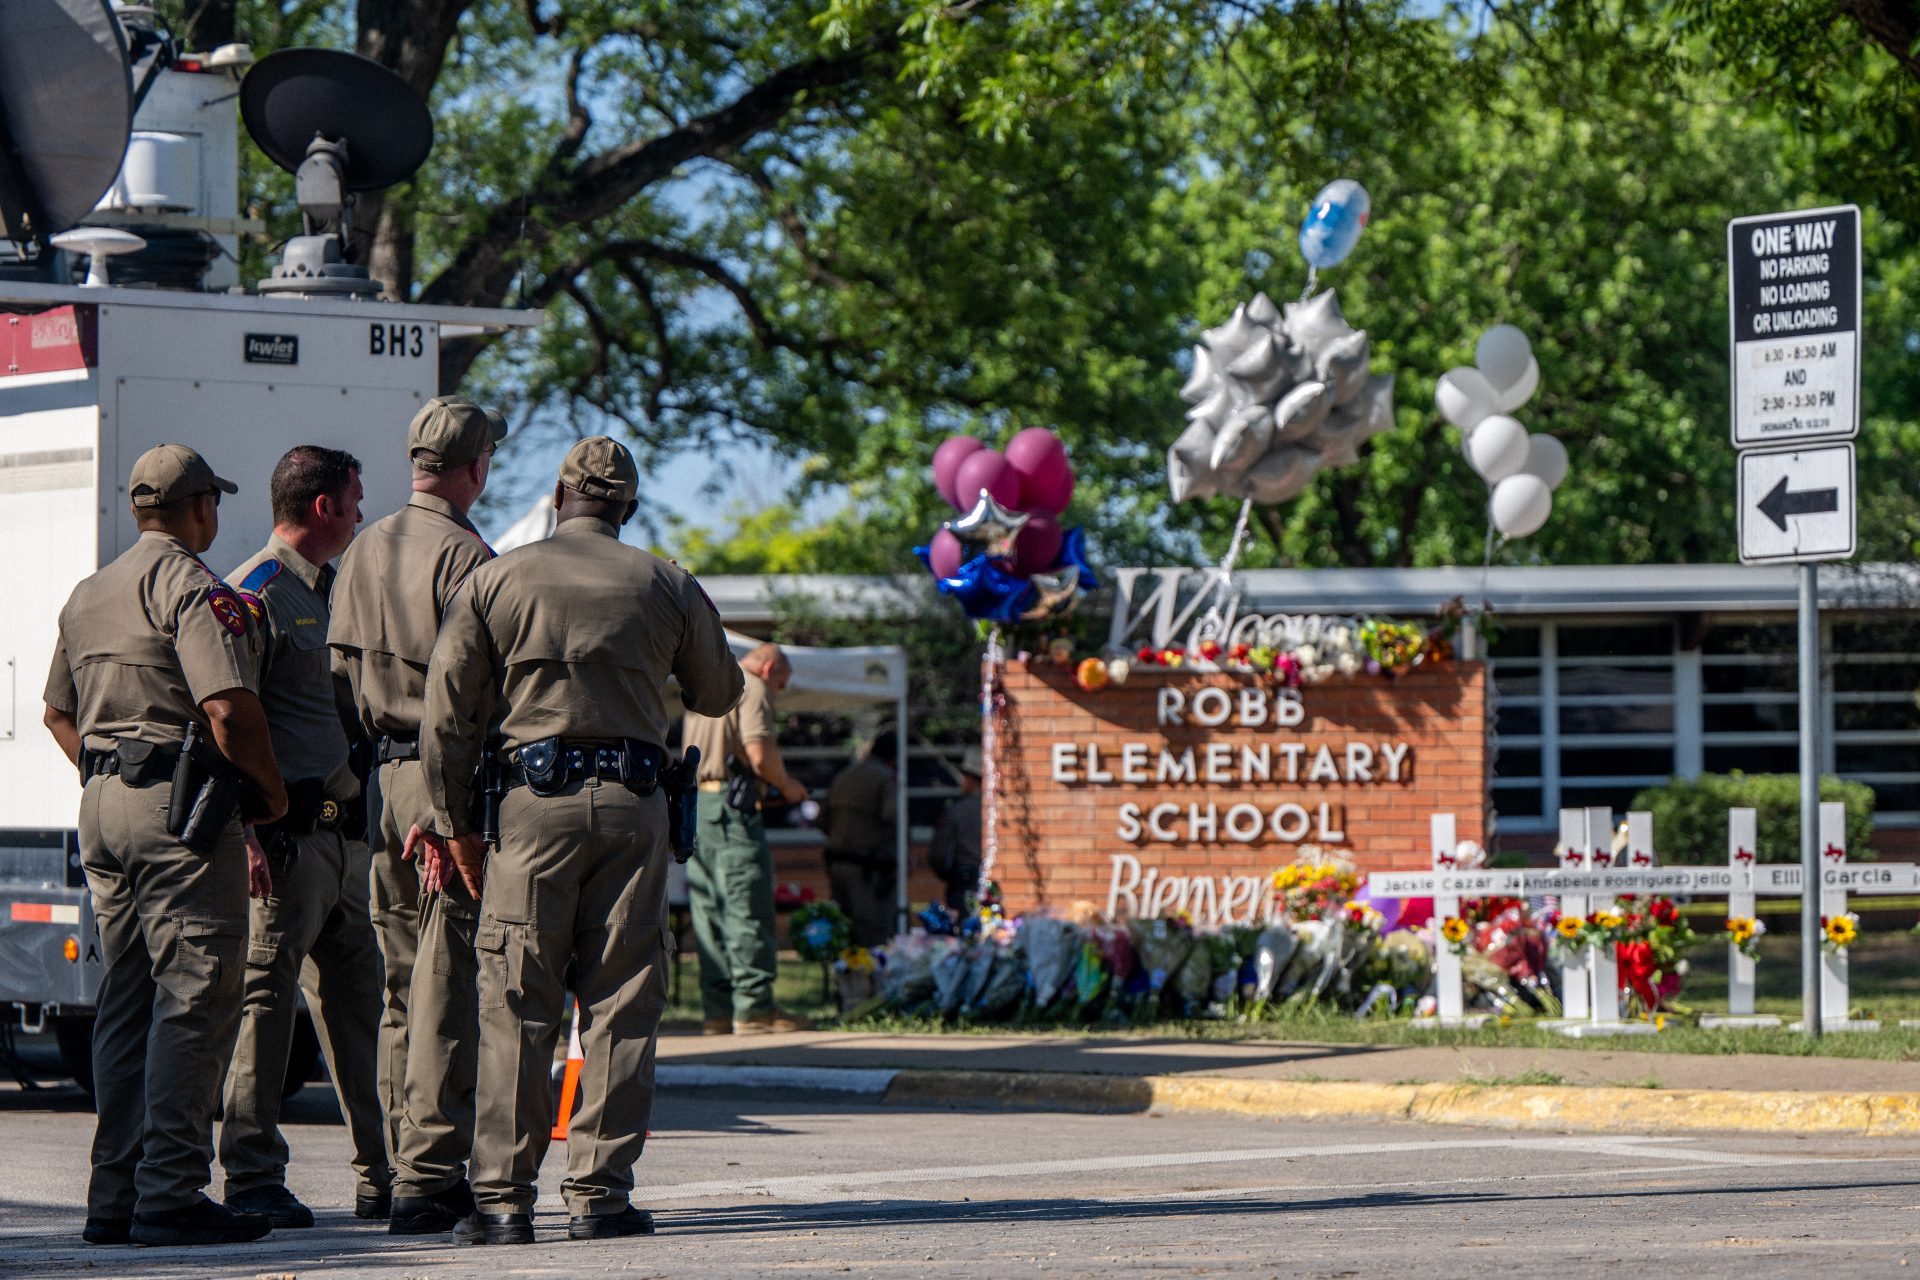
point(989, 528)
point(1054, 595)
point(1276, 394)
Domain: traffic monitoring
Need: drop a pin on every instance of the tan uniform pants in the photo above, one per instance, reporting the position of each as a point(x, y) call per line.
point(173, 930)
point(579, 877)
point(312, 934)
point(429, 1031)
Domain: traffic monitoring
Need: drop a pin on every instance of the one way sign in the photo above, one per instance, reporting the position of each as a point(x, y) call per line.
point(1796, 505)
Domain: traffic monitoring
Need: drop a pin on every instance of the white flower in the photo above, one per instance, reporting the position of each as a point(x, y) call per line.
point(1347, 664)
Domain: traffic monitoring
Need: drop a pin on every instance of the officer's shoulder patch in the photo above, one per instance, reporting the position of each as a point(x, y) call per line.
point(228, 610)
point(256, 607)
point(263, 573)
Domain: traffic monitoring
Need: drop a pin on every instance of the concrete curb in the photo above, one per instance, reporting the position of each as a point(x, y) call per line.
point(1551, 1108)
point(1557, 1108)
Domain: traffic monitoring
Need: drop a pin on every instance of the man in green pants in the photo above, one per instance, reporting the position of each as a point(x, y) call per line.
point(730, 879)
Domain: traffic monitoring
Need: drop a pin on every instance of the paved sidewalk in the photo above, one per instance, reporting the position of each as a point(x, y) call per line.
point(1284, 1060)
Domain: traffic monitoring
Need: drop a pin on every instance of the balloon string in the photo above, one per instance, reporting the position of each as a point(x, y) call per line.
point(992, 699)
point(1313, 274)
point(1224, 580)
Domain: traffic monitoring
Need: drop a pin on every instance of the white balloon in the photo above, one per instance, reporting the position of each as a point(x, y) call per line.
point(1547, 459)
point(1464, 396)
point(1502, 354)
point(1497, 448)
point(1517, 395)
point(1520, 505)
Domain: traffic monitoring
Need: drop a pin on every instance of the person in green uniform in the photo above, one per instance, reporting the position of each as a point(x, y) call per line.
point(730, 879)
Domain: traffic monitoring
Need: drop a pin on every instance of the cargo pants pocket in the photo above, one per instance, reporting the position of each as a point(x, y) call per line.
point(490, 948)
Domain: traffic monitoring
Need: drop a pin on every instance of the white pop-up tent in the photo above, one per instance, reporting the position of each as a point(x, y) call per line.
point(824, 680)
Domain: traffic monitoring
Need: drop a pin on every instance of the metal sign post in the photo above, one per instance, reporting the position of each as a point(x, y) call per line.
point(1793, 304)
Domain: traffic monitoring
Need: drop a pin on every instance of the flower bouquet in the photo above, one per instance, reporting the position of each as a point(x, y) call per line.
point(1310, 889)
point(1162, 946)
point(1053, 949)
point(1745, 932)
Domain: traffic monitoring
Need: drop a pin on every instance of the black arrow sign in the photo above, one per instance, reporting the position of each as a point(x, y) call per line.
point(1779, 504)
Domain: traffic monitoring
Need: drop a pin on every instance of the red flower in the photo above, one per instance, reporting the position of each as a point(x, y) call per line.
point(1240, 652)
point(1148, 654)
point(1210, 650)
point(1663, 911)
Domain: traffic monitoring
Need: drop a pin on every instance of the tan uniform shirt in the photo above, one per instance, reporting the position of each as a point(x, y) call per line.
point(395, 584)
point(859, 813)
point(148, 638)
point(721, 736)
point(574, 636)
point(296, 677)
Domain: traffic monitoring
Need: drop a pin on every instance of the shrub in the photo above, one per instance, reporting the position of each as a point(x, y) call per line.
point(1690, 817)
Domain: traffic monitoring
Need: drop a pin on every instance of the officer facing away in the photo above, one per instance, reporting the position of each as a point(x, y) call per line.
point(153, 695)
point(568, 644)
point(395, 582)
point(317, 915)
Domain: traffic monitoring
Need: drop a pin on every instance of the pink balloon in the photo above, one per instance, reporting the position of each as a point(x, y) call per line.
point(986, 469)
point(947, 554)
point(1037, 547)
point(1050, 491)
point(953, 451)
point(1035, 450)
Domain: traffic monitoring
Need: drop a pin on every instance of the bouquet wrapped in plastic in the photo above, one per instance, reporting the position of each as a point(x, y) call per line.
point(1162, 946)
point(1053, 949)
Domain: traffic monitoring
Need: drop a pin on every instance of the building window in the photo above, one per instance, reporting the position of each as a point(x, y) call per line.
point(1873, 736)
point(1584, 714)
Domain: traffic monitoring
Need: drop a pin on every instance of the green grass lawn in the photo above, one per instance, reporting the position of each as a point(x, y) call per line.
point(1885, 983)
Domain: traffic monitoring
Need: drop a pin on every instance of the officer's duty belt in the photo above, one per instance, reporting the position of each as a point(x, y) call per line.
point(139, 763)
point(551, 765)
point(396, 749)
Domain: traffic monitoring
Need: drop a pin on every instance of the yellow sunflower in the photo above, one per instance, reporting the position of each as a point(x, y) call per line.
point(1842, 930)
point(1570, 927)
point(1454, 929)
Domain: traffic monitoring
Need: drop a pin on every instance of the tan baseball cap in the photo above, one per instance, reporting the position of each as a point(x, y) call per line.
point(600, 467)
point(168, 472)
point(456, 429)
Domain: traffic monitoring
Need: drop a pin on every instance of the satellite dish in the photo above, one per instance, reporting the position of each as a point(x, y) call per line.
point(66, 107)
point(99, 244)
point(340, 123)
point(293, 96)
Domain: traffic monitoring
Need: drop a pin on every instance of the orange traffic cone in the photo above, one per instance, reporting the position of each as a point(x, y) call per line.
point(570, 1081)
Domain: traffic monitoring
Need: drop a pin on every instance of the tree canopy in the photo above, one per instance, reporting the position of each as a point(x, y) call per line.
point(846, 232)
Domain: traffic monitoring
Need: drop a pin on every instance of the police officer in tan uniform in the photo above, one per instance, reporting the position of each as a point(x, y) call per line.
point(314, 929)
point(567, 644)
point(153, 695)
point(395, 582)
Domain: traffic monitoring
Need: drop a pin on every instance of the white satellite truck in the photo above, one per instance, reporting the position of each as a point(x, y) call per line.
point(119, 155)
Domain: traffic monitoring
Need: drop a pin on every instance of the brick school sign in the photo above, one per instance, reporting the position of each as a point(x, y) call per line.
point(1186, 790)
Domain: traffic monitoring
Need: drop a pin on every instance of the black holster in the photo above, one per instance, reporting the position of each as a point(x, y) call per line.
point(280, 839)
point(489, 786)
point(681, 782)
point(743, 786)
point(207, 793)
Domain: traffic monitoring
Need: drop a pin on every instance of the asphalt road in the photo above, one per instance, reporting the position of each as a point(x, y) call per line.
point(795, 1184)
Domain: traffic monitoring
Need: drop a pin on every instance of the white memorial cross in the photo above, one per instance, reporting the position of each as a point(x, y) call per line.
point(1743, 854)
point(1576, 992)
point(1449, 996)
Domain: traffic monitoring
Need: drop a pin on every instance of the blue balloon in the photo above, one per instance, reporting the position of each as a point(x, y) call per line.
point(1073, 551)
point(1333, 225)
point(984, 589)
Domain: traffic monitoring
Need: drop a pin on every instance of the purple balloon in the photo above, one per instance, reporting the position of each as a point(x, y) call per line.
point(1050, 491)
point(1389, 908)
point(1037, 547)
point(986, 469)
point(947, 553)
point(953, 451)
